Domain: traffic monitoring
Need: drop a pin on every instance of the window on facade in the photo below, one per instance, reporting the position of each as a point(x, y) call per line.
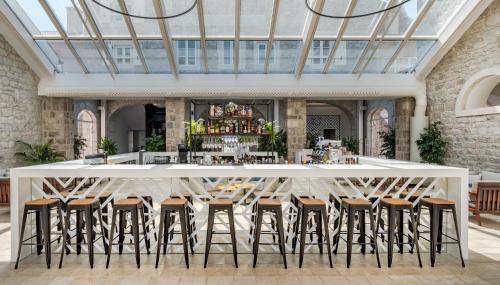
point(320, 52)
point(186, 52)
point(123, 54)
point(262, 53)
point(480, 94)
point(228, 52)
point(494, 98)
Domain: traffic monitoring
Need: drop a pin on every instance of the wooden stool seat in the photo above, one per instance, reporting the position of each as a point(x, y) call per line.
point(221, 202)
point(269, 202)
point(311, 202)
point(356, 202)
point(42, 202)
point(437, 201)
point(128, 202)
point(83, 202)
point(183, 194)
point(104, 195)
point(396, 202)
point(174, 202)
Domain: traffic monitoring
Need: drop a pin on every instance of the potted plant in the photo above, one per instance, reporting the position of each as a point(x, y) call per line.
point(108, 146)
point(78, 146)
point(388, 148)
point(33, 154)
point(155, 142)
point(431, 145)
point(351, 144)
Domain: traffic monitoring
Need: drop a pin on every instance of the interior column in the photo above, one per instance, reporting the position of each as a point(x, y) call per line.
point(174, 122)
point(296, 124)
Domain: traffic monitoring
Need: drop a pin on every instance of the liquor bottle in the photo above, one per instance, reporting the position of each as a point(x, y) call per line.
point(236, 130)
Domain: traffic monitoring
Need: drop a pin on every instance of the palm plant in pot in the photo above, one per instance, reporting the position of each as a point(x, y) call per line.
point(108, 146)
point(34, 154)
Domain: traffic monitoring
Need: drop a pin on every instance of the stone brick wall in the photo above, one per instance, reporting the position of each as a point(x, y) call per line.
point(296, 125)
point(474, 141)
point(58, 124)
point(174, 122)
point(20, 110)
point(403, 113)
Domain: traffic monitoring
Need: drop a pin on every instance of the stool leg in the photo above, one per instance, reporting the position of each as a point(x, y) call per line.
point(327, 234)
point(103, 232)
point(145, 229)
point(391, 216)
point(46, 234)
point(296, 226)
point(210, 226)
point(319, 231)
point(415, 241)
point(374, 233)
point(303, 231)
point(256, 240)
point(121, 230)
point(252, 221)
point(110, 240)
point(79, 232)
point(189, 229)
point(160, 235)
point(105, 215)
point(135, 233)
point(350, 230)
point(440, 231)
point(337, 236)
point(65, 236)
point(434, 233)
point(38, 225)
point(90, 241)
point(290, 215)
point(281, 235)
point(400, 232)
point(362, 230)
point(184, 225)
point(21, 237)
point(458, 235)
point(233, 235)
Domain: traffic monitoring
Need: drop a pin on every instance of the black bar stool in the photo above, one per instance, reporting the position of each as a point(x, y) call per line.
point(41, 208)
point(353, 207)
point(272, 206)
point(437, 207)
point(394, 207)
point(121, 208)
point(169, 207)
point(217, 205)
point(87, 207)
point(318, 207)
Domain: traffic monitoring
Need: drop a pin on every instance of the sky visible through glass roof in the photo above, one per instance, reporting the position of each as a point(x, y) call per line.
point(393, 42)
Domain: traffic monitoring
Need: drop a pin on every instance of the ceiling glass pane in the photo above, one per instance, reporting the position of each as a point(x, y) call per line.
point(109, 23)
point(68, 17)
point(256, 17)
point(90, 56)
point(187, 56)
point(220, 56)
point(284, 56)
point(440, 12)
point(143, 27)
point(347, 56)
point(66, 62)
point(155, 55)
point(363, 26)
point(33, 16)
point(330, 27)
point(410, 56)
point(291, 18)
point(381, 56)
point(185, 25)
point(252, 56)
point(404, 16)
point(318, 55)
point(125, 56)
point(219, 17)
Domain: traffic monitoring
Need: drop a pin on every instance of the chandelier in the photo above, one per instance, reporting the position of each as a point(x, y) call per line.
point(147, 17)
point(354, 16)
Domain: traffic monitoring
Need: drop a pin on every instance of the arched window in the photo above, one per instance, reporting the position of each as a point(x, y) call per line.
point(378, 122)
point(480, 95)
point(87, 129)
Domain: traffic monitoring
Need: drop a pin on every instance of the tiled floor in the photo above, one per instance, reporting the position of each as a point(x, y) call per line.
point(483, 267)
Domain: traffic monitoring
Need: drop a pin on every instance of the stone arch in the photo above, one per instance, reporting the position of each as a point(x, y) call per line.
point(87, 129)
point(472, 99)
point(378, 121)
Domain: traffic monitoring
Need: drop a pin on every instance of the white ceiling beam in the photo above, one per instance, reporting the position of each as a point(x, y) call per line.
point(373, 37)
point(203, 41)
point(310, 27)
point(272, 29)
point(95, 29)
point(237, 26)
point(62, 32)
point(460, 23)
point(340, 35)
point(133, 35)
point(165, 35)
point(409, 32)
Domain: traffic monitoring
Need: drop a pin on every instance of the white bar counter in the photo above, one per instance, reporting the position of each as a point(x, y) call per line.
point(372, 178)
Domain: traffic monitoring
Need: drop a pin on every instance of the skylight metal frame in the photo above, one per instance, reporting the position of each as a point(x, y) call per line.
point(203, 40)
point(167, 42)
point(272, 30)
point(237, 34)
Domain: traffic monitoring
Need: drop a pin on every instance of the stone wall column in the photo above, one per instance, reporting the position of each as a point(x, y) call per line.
point(174, 122)
point(404, 111)
point(296, 125)
point(58, 124)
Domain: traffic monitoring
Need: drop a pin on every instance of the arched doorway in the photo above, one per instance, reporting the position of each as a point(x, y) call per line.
point(87, 129)
point(379, 121)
